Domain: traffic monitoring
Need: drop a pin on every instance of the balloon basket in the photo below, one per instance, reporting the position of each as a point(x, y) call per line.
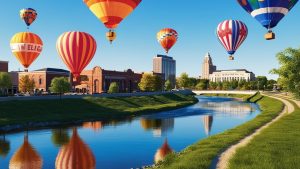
point(270, 36)
point(111, 36)
point(231, 58)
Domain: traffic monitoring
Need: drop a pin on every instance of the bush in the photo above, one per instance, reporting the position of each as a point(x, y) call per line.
point(113, 88)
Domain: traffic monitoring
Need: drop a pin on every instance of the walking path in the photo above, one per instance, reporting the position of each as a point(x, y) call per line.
point(223, 161)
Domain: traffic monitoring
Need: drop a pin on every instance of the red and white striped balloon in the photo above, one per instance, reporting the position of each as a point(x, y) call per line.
point(231, 34)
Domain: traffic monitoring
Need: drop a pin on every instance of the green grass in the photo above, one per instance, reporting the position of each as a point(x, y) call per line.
point(201, 154)
point(277, 147)
point(89, 108)
point(241, 96)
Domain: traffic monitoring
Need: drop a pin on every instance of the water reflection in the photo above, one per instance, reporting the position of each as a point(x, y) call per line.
point(60, 137)
point(4, 147)
point(96, 126)
point(160, 127)
point(26, 157)
point(75, 155)
point(162, 152)
point(207, 121)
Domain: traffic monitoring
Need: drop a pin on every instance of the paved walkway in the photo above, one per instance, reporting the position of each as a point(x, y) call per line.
point(248, 92)
point(225, 157)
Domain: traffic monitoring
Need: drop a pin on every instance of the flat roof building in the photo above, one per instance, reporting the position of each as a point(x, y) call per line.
point(165, 65)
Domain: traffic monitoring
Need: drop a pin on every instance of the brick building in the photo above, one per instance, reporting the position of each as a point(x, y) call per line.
point(3, 66)
point(98, 80)
point(43, 77)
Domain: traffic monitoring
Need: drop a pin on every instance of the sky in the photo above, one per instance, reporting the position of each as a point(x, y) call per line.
point(136, 44)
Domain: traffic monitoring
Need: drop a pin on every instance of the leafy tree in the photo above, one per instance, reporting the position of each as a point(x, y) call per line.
point(270, 84)
point(26, 84)
point(213, 85)
point(5, 83)
point(150, 83)
point(60, 85)
point(113, 88)
point(289, 76)
point(192, 82)
point(202, 85)
point(183, 80)
point(60, 137)
point(168, 85)
point(262, 82)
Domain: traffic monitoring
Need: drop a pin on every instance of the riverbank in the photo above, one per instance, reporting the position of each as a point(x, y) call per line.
point(278, 146)
point(25, 114)
point(202, 154)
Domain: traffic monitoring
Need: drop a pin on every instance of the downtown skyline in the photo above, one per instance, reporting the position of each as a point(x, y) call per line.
point(136, 42)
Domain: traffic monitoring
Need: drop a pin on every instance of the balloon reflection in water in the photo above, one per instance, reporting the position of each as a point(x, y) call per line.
point(26, 157)
point(162, 152)
point(75, 155)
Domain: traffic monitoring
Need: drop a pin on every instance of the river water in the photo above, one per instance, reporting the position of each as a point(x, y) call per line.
point(123, 144)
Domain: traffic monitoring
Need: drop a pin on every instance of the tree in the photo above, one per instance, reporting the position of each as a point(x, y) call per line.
point(26, 84)
point(202, 85)
point(4, 147)
point(183, 80)
point(262, 82)
point(289, 76)
point(213, 85)
point(113, 88)
point(5, 83)
point(150, 83)
point(60, 85)
point(168, 85)
point(270, 84)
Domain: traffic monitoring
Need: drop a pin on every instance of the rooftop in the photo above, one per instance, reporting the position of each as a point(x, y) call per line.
point(164, 56)
point(240, 70)
point(52, 70)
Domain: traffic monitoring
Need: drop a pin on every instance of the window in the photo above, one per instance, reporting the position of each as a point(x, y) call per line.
point(40, 81)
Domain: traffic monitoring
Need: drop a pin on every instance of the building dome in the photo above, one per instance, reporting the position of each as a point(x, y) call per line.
point(26, 157)
point(75, 155)
point(162, 152)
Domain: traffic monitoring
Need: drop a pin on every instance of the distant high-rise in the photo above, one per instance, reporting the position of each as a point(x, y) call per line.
point(167, 66)
point(207, 67)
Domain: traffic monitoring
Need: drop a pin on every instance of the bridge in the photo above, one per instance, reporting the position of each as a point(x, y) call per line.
point(201, 92)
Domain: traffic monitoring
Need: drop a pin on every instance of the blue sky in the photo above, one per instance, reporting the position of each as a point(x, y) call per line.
point(136, 44)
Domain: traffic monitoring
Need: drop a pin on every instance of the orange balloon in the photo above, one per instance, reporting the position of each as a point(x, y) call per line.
point(76, 49)
point(167, 38)
point(26, 46)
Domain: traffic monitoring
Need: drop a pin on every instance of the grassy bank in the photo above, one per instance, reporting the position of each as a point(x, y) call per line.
point(240, 96)
point(89, 108)
point(201, 154)
point(277, 147)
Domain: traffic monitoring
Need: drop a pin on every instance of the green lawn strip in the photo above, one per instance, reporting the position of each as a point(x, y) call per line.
point(24, 112)
point(240, 96)
point(200, 155)
point(277, 147)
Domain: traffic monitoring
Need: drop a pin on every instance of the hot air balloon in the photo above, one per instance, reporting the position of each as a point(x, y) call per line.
point(231, 34)
point(26, 46)
point(268, 12)
point(111, 12)
point(28, 15)
point(167, 38)
point(76, 49)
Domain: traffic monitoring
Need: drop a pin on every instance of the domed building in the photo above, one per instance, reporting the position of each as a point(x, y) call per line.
point(26, 157)
point(75, 155)
point(162, 152)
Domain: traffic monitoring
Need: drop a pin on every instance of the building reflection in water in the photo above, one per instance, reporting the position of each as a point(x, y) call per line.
point(96, 126)
point(160, 127)
point(207, 121)
point(229, 108)
point(26, 157)
point(4, 146)
point(75, 155)
point(162, 152)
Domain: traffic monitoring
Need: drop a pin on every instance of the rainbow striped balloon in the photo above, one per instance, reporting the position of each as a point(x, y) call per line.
point(231, 34)
point(26, 46)
point(76, 49)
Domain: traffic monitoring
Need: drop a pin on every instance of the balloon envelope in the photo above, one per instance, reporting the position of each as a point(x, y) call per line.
point(167, 38)
point(231, 34)
point(76, 49)
point(111, 12)
point(28, 15)
point(268, 12)
point(26, 46)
